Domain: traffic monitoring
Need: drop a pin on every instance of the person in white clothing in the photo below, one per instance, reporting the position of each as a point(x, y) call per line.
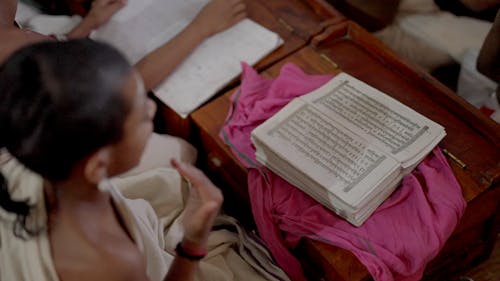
point(73, 115)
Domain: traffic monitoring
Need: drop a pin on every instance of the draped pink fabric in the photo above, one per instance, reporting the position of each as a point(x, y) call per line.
point(395, 243)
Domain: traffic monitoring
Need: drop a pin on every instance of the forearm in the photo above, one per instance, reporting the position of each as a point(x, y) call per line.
point(216, 16)
point(160, 63)
point(488, 61)
point(82, 30)
point(184, 266)
point(480, 5)
point(182, 269)
point(100, 12)
point(7, 12)
point(14, 39)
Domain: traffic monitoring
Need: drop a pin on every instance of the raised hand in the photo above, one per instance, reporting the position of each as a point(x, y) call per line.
point(202, 206)
point(218, 15)
point(102, 10)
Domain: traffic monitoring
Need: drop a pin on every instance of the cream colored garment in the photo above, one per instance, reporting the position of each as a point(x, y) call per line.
point(166, 192)
point(31, 259)
point(24, 259)
point(447, 32)
point(429, 37)
point(408, 46)
point(160, 149)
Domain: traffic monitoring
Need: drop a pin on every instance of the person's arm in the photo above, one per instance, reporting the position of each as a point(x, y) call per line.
point(12, 39)
point(7, 12)
point(214, 17)
point(480, 5)
point(201, 209)
point(488, 61)
point(100, 12)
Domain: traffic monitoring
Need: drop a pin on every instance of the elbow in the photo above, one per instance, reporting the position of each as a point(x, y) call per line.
point(489, 69)
point(488, 62)
point(483, 66)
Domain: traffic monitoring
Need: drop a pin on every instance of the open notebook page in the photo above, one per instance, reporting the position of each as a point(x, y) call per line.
point(142, 26)
point(215, 63)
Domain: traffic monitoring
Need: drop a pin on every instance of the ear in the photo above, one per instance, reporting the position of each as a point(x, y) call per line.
point(96, 166)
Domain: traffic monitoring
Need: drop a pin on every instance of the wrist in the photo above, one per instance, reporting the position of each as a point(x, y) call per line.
point(189, 251)
point(82, 30)
point(199, 30)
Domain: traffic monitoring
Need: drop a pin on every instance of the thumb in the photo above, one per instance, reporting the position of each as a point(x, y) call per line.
point(199, 225)
point(207, 213)
point(115, 6)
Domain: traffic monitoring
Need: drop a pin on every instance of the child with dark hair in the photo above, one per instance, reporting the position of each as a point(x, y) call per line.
point(73, 115)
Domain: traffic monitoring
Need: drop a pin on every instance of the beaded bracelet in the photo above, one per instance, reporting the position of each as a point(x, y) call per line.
point(190, 254)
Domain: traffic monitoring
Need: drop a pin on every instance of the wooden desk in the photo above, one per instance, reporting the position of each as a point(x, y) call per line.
point(471, 137)
point(296, 21)
point(372, 15)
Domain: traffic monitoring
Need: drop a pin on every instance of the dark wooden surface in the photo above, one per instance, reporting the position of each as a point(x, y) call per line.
point(488, 270)
point(372, 15)
point(471, 137)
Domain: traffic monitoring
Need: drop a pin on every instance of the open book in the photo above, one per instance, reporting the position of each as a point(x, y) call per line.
point(345, 144)
point(144, 25)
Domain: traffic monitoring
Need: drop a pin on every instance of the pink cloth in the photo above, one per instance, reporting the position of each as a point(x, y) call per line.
point(395, 243)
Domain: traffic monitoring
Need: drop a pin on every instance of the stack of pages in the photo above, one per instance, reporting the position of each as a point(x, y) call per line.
point(345, 144)
point(144, 25)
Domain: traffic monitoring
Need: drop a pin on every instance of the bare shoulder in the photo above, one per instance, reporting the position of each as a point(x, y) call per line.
point(13, 39)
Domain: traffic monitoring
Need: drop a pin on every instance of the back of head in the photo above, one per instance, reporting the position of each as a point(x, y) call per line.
point(61, 101)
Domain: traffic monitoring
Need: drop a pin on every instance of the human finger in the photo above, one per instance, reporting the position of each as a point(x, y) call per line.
point(239, 7)
point(192, 174)
point(207, 213)
point(198, 225)
point(234, 2)
point(115, 6)
point(105, 3)
point(238, 18)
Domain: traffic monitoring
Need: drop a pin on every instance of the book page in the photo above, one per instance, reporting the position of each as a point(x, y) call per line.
point(143, 26)
point(392, 126)
point(317, 146)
